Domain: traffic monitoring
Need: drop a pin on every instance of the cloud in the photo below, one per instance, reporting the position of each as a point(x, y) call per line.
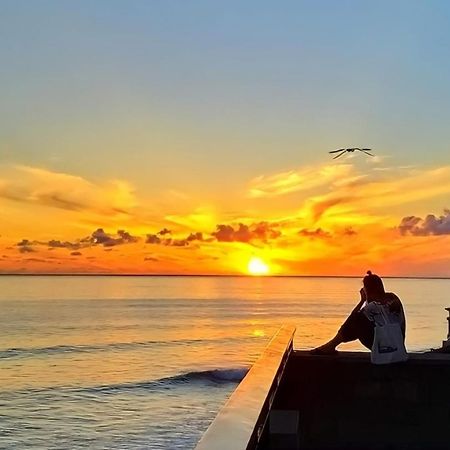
point(317, 233)
point(320, 233)
point(299, 180)
point(25, 246)
point(320, 207)
point(195, 237)
point(153, 239)
point(68, 192)
point(226, 233)
point(66, 244)
point(24, 243)
point(171, 242)
point(99, 236)
point(201, 219)
point(262, 231)
point(409, 225)
point(349, 231)
point(376, 192)
point(151, 258)
point(126, 237)
point(177, 242)
point(345, 193)
point(430, 226)
point(75, 253)
point(26, 249)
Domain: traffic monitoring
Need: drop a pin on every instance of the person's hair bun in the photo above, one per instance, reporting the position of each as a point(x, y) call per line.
point(369, 272)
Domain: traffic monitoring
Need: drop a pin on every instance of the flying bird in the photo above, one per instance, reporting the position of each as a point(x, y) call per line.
point(341, 151)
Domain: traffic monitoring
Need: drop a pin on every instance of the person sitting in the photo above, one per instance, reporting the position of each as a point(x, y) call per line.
point(361, 322)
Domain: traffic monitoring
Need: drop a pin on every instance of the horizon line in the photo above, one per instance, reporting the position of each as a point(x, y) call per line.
point(213, 275)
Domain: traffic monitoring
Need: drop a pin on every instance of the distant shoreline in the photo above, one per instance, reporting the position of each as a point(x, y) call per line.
point(204, 276)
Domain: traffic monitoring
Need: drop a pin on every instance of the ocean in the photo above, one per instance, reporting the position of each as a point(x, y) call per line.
point(105, 362)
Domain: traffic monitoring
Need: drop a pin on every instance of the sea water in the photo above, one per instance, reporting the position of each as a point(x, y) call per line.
point(146, 362)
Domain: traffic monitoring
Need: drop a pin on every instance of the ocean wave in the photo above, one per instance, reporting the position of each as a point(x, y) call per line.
point(208, 377)
point(114, 346)
point(217, 375)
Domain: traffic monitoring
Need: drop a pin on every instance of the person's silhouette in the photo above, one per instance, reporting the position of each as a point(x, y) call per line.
point(360, 324)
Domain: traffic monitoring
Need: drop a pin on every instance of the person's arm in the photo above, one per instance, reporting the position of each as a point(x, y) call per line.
point(358, 307)
point(396, 307)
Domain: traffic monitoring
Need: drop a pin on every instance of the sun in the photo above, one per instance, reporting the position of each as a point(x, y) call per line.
point(256, 266)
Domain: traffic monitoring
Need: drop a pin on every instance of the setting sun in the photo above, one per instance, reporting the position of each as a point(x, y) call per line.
point(256, 266)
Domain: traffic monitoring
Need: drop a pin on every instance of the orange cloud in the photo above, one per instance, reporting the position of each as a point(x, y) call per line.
point(300, 180)
point(431, 225)
point(374, 195)
point(317, 233)
point(246, 233)
point(331, 220)
point(34, 185)
point(159, 238)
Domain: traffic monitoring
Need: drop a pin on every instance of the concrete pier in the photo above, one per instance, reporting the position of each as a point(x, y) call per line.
point(291, 400)
point(345, 402)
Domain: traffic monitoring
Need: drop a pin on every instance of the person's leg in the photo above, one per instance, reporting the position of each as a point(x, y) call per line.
point(356, 326)
point(330, 347)
point(365, 331)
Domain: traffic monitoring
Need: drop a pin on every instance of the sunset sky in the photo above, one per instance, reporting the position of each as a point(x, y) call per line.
point(189, 137)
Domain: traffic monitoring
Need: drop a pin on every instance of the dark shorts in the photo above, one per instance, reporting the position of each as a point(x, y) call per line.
point(358, 326)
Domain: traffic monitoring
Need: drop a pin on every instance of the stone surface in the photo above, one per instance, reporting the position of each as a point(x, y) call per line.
point(240, 423)
point(344, 402)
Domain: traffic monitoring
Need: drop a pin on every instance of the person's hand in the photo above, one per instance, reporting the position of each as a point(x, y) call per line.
point(362, 292)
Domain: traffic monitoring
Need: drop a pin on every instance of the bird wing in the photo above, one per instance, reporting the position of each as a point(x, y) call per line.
point(367, 153)
point(340, 150)
point(340, 154)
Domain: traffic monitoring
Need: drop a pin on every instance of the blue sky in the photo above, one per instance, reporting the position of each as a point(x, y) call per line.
point(186, 106)
point(225, 83)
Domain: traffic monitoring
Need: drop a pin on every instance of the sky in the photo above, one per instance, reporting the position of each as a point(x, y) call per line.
point(192, 137)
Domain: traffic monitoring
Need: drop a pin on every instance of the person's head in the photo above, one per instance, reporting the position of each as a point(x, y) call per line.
point(373, 286)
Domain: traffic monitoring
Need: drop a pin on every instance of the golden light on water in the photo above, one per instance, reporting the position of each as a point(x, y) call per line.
point(258, 333)
point(256, 266)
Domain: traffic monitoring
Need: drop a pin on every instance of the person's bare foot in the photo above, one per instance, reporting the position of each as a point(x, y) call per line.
point(324, 350)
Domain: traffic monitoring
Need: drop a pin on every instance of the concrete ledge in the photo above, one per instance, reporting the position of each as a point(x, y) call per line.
point(240, 423)
point(414, 358)
point(345, 402)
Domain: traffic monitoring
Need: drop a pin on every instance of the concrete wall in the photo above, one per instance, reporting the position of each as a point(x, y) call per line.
point(241, 422)
point(344, 402)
